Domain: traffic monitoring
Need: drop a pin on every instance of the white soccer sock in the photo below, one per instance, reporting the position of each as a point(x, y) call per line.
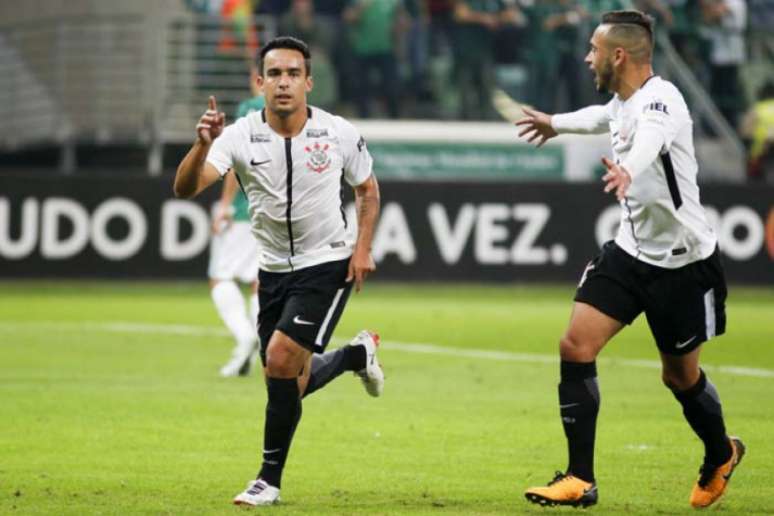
point(254, 309)
point(231, 307)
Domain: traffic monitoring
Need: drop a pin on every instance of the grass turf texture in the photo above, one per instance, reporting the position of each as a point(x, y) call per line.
point(134, 420)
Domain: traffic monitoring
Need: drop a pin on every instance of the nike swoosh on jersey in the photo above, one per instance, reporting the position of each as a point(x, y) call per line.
point(298, 320)
point(254, 163)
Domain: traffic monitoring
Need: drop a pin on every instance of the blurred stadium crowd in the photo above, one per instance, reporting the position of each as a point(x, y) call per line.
point(87, 76)
point(442, 59)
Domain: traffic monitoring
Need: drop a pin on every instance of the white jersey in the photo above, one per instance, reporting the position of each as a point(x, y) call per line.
point(662, 220)
point(294, 185)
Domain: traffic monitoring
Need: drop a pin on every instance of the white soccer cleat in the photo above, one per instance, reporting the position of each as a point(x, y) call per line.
point(371, 375)
point(258, 492)
point(241, 361)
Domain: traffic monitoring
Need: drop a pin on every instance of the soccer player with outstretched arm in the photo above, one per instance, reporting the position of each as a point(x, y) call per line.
point(664, 261)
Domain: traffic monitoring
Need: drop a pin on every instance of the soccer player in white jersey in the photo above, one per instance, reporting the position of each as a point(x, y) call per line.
point(664, 260)
point(234, 258)
point(295, 160)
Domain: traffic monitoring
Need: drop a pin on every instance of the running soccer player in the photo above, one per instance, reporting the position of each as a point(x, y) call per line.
point(664, 260)
point(296, 159)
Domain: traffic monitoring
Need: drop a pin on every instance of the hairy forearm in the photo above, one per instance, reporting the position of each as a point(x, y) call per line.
point(190, 169)
point(367, 205)
point(588, 120)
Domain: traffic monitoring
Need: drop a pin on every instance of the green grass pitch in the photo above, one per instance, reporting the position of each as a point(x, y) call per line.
point(110, 403)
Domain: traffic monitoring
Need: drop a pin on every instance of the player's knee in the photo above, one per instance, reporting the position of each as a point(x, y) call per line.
point(571, 350)
point(676, 380)
point(278, 366)
point(666, 379)
point(280, 361)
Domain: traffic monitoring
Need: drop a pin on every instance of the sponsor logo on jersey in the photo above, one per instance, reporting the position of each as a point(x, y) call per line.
point(260, 138)
point(316, 133)
point(318, 160)
point(360, 144)
point(657, 106)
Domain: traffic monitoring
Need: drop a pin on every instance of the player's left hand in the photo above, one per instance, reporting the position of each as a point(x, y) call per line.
point(222, 220)
point(617, 178)
point(360, 265)
point(536, 126)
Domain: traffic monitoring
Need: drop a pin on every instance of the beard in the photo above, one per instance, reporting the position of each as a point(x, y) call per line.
point(605, 77)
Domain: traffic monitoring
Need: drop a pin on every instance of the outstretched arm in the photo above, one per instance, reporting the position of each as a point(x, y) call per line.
point(194, 174)
point(367, 204)
point(541, 127)
point(536, 126)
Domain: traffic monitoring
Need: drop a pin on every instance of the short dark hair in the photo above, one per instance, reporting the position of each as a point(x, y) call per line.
point(286, 42)
point(632, 18)
point(633, 30)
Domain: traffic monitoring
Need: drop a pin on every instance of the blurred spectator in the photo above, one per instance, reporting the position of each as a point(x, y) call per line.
point(328, 16)
point(596, 8)
point(302, 22)
point(726, 23)
point(441, 13)
point(684, 32)
point(660, 10)
point(272, 7)
point(476, 25)
point(555, 37)
point(758, 130)
point(417, 48)
point(373, 25)
point(760, 29)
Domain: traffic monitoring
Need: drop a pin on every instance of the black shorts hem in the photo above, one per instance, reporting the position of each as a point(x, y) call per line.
point(605, 309)
point(300, 340)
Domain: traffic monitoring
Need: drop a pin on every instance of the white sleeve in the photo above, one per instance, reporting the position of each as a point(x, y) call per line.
point(663, 116)
point(222, 155)
point(358, 164)
point(588, 120)
point(646, 147)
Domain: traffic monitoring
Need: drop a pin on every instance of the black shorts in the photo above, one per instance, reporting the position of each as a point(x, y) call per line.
point(684, 306)
point(305, 305)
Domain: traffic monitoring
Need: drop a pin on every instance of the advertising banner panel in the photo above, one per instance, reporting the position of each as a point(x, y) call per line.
point(441, 231)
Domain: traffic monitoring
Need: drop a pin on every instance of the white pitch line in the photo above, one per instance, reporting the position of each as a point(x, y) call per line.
point(408, 347)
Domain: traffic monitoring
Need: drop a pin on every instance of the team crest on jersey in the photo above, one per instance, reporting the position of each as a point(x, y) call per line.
point(319, 160)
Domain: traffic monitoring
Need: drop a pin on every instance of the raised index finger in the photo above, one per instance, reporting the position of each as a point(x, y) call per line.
point(211, 104)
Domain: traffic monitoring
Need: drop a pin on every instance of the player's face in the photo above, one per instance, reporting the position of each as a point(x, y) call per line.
point(600, 62)
point(285, 82)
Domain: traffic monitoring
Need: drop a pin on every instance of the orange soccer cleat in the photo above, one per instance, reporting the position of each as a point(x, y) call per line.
point(564, 489)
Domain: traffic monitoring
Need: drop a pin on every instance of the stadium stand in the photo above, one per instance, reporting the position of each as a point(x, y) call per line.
point(118, 85)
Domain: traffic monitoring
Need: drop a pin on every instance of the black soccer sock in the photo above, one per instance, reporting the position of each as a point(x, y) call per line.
point(701, 407)
point(328, 366)
point(579, 406)
point(283, 411)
